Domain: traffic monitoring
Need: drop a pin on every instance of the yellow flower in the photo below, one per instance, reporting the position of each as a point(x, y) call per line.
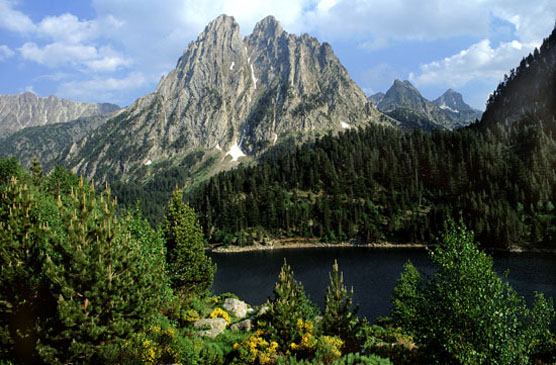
point(220, 313)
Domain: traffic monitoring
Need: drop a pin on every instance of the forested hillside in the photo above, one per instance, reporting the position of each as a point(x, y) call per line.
point(383, 184)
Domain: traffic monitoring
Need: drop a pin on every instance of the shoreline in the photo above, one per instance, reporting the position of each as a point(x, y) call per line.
point(306, 243)
point(294, 243)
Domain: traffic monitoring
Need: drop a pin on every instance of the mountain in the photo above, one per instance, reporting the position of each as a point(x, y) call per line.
point(405, 103)
point(228, 96)
point(377, 98)
point(50, 142)
point(28, 110)
point(528, 91)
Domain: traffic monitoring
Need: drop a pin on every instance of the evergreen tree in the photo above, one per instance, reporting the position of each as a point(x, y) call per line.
point(340, 317)
point(191, 271)
point(407, 297)
point(289, 305)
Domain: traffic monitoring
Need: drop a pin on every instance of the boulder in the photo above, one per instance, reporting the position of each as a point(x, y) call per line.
point(245, 325)
point(211, 327)
point(235, 306)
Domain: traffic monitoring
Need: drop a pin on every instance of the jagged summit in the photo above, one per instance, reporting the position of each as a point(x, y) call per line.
point(406, 104)
point(269, 27)
point(230, 97)
point(453, 101)
point(28, 110)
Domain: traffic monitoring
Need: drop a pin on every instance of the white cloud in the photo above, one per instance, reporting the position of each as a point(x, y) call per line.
point(98, 89)
point(76, 55)
point(5, 52)
point(480, 61)
point(14, 20)
point(67, 28)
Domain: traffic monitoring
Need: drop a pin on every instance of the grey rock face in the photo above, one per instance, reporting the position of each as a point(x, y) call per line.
point(245, 325)
point(230, 96)
point(27, 110)
point(214, 327)
point(235, 306)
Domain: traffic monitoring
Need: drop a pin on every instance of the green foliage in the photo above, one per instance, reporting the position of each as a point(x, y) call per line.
point(339, 318)
point(76, 280)
point(466, 313)
point(191, 271)
point(407, 297)
point(286, 309)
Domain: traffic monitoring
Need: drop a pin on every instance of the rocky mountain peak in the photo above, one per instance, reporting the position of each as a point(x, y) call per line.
point(268, 28)
point(453, 101)
point(231, 97)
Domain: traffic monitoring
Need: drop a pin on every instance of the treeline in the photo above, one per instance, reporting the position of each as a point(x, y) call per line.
point(383, 184)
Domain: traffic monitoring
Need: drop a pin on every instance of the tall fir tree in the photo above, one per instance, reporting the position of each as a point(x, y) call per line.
point(191, 271)
point(340, 316)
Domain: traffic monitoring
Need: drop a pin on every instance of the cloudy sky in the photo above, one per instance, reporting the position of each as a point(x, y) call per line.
point(117, 50)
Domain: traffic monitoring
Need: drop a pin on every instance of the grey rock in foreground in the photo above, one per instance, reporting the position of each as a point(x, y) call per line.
point(235, 306)
point(214, 327)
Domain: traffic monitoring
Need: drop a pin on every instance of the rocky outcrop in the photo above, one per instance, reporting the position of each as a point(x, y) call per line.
point(28, 110)
point(231, 97)
point(210, 327)
point(235, 306)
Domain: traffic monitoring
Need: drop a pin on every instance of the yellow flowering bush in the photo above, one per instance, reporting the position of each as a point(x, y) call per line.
point(328, 349)
point(220, 313)
point(306, 343)
point(190, 315)
point(159, 347)
point(256, 350)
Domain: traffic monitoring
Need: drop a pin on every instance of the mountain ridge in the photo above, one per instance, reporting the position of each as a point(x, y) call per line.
point(18, 111)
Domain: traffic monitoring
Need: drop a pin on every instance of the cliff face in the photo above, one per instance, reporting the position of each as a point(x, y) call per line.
point(28, 110)
point(229, 96)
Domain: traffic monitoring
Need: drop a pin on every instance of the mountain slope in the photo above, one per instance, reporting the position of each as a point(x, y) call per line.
point(528, 91)
point(50, 142)
point(228, 96)
point(406, 104)
point(28, 110)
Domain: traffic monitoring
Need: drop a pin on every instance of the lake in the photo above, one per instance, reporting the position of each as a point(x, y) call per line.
point(372, 272)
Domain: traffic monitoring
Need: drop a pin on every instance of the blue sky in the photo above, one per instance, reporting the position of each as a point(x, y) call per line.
point(117, 50)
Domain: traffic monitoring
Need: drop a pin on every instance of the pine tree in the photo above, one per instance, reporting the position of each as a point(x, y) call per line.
point(340, 317)
point(102, 283)
point(407, 298)
point(191, 271)
point(289, 305)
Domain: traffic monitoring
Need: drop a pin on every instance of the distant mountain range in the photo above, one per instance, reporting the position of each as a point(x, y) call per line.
point(29, 110)
point(405, 103)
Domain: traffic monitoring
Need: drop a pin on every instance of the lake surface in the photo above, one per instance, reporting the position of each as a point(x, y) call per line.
point(372, 272)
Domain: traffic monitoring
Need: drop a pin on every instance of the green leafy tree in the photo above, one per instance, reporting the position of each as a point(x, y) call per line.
point(191, 271)
point(340, 316)
point(467, 313)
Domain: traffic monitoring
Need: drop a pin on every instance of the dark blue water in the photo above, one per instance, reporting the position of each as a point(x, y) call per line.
point(372, 272)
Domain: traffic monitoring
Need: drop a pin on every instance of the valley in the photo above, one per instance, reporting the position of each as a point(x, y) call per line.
point(212, 220)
